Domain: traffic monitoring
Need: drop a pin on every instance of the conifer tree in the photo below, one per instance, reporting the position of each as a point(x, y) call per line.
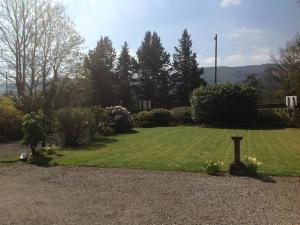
point(153, 71)
point(100, 64)
point(187, 74)
point(126, 69)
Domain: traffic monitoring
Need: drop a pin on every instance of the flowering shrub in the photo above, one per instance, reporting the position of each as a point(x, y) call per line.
point(33, 131)
point(212, 167)
point(251, 164)
point(50, 149)
point(119, 119)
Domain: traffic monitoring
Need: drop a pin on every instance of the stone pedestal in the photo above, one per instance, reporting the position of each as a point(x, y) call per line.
point(237, 167)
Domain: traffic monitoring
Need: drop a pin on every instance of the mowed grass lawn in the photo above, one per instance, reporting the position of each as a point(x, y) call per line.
point(186, 148)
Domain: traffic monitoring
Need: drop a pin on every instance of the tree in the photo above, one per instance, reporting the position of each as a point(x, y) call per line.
point(126, 70)
point(33, 131)
point(100, 64)
point(38, 42)
point(153, 71)
point(286, 71)
point(187, 74)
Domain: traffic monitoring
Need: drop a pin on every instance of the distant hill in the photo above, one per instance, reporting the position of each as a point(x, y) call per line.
point(233, 74)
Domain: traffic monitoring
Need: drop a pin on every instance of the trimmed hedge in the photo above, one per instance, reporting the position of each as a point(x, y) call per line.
point(182, 115)
point(273, 118)
point(153, 118)
point(224, 104)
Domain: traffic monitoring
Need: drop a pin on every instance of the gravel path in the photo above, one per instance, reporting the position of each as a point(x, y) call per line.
point(81, 195)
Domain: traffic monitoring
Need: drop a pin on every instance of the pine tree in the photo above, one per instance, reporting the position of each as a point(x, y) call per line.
point(187, 74)
point(153, 73)
point(126, 69)
point(100, 64)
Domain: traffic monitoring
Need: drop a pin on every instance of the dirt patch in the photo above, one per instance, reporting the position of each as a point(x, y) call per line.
point(81, 195)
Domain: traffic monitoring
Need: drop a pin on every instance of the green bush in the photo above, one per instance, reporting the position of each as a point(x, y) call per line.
point(251, 164)
point(10, 120)
point(77, 125)
point(119, 119)
point(153, 118)
point(181, 115)
point(273, 118)
point(224, 104)
point(213, 168)
point(33, 131)
point(143, 119)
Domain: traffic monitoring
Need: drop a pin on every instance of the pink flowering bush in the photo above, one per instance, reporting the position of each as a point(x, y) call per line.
point(119, 119)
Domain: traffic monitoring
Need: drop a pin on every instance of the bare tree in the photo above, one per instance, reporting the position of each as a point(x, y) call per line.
point(38, 41)
point(286, 71)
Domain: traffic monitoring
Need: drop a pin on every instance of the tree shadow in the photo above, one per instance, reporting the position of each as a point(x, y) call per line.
point(41, 160)
point(96, 144)
point(243, 127)
point(262, 178)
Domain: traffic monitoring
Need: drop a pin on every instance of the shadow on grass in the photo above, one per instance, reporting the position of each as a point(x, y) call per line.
point(98, 143)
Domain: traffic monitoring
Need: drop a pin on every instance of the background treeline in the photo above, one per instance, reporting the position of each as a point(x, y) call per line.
point(151, 75)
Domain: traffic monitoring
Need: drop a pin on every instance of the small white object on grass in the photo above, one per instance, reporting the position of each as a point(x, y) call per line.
point(23, 157)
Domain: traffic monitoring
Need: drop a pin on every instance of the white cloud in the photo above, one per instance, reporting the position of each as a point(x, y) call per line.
point(209, 61)
point(244, 32)
point(235, 59)
point(226, 3)
point(258, 56)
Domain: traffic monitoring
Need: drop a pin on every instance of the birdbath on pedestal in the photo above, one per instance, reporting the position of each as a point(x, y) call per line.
point(237, 167)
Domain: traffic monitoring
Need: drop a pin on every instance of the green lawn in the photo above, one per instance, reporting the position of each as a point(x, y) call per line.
point(186, 148)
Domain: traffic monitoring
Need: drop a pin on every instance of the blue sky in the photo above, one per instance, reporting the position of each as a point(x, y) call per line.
point(250, 31)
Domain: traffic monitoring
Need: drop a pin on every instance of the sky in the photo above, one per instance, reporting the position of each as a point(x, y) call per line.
point(249, 31)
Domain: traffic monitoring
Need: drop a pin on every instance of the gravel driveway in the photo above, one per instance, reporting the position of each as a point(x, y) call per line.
point(81, 195)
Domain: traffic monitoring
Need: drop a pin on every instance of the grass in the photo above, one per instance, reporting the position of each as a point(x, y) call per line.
point(186, 148)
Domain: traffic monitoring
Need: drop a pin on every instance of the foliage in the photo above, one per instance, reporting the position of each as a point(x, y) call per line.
point(251, 164)
point(286, 69)
point(182, 115)
point(224, 104)
point(153, 118)
point(153, 71)
point(33, 131)
point(119, 119)
point(50, 149)
point(187, 74)
point(10, 120)
point(126, 69)
point(213, 167)
point(273, 118)
point(100, 64)
point(77, 125)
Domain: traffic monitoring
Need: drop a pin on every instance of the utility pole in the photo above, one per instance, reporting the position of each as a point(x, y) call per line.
point(216, 59)
point(6, 81)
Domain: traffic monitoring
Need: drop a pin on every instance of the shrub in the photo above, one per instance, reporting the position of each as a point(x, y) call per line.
point(153, 118)
point(273, 118)
point(143, 119)
point(77, 125)
point(119, 119)
point(213, 168)
point(10, 120)
point(181, 115)
point(50, 150)
point(251, 164)
point(224, 104)
point(33, 131)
